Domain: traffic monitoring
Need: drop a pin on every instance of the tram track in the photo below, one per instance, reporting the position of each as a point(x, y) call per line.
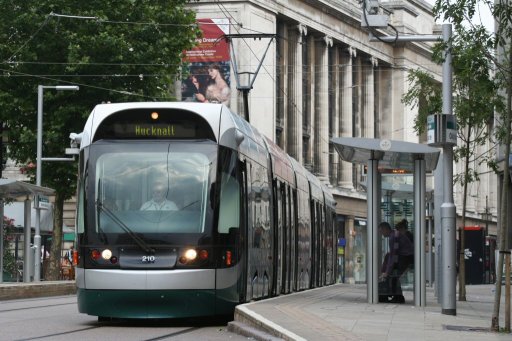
point(36, 307)
point(36, 303)
point(162, 337)
point(57, 318)
point(58, 334)
point(185, 331)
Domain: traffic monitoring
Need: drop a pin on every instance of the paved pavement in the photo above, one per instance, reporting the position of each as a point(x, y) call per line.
point(341, 312)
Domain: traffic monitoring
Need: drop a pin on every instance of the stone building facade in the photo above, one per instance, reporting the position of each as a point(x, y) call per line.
point(321, 78)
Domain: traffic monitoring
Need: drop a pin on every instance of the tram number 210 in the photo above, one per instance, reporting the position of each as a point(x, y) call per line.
point(148, 259)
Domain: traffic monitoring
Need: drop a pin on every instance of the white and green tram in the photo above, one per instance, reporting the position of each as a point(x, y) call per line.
point(241, 220)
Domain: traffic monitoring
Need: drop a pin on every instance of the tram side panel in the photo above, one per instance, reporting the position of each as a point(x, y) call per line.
point(304, 241)
point(277, 224)
point(231, 231)
point(259, 232)
point(330, 208)
point(316, 200)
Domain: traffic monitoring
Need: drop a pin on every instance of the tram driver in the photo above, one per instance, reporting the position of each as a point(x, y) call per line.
point(159, 200)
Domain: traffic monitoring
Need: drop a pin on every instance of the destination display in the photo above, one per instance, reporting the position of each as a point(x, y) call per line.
point(155, 130)
point(145, 124)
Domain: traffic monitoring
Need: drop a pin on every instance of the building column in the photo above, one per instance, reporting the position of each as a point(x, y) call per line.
point(369, 103)
point(385, 108)
point(334, 158)
point(295, 94)
point(284, 90)
point(322, 112)
point(346, 117)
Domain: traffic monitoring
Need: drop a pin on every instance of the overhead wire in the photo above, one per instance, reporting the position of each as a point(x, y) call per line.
point(84, 85)
point(221, 7)
point(32, 36)
point(298, 110)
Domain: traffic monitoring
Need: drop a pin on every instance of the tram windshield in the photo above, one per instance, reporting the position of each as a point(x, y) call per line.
point(145, 189)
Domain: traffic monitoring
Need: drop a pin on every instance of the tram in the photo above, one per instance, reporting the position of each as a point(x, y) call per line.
point(185, 209)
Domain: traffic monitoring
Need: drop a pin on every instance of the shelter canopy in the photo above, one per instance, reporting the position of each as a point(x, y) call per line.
point(12, 189)
point(391, 154)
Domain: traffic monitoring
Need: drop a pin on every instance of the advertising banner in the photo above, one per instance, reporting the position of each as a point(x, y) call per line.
point(208, 79)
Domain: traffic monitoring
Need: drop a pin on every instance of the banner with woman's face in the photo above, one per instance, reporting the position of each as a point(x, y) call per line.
point(208, 78)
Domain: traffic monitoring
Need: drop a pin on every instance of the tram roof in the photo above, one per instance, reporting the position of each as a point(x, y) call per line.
point(391, 154)
point(101, 111)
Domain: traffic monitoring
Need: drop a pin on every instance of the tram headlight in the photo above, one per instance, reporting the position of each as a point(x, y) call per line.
point(190, 255)
point(193, 256)
point(106, 254)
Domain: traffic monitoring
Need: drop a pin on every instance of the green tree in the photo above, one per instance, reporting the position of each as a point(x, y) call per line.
point(9, 261)
point(114, 50)
point(495, 47)
point(475, 97)
point(462, 13)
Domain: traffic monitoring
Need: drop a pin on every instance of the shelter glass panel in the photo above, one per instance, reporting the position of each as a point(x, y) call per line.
point(397, 243)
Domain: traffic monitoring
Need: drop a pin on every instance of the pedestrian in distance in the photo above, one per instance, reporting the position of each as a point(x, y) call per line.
point(396, 262)
point(69, 255)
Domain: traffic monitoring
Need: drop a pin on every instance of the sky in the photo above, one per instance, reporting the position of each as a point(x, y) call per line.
point(483, 16)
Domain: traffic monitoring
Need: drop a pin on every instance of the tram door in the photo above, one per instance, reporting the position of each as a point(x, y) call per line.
point(295, 242)
point(286, 238)
point(242, 242)
point(276, 245)
point(279, 265)
point(321, 245)
point(232, 224)
point(314, 245)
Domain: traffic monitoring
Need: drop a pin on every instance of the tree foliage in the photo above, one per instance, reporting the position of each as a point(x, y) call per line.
point(475, 97)
point(491, 48)
point(115, 51)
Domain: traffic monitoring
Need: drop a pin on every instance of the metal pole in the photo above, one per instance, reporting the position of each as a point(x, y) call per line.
point(39, 170)
point(26, 248)
point(39, 133)
point(486, 216)
point(430, 277)
point(419, 236)
point(448, 212)
point(372, 258)
point(1, 240)
point(37, 234)
point(245, 93)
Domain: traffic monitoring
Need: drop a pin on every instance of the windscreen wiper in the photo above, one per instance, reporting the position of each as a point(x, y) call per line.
point(143, 245)
point(188, 205)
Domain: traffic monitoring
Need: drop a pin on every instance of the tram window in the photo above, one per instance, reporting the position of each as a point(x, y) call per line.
point(80, 227)
point(229, 212)
point(126, 185)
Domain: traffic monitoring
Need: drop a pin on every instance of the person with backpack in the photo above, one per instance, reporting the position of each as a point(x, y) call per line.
point(396, 261)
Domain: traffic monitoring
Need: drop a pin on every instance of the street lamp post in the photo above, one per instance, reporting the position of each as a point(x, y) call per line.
point(448, 140)
point(39, 157)
point(245, 85)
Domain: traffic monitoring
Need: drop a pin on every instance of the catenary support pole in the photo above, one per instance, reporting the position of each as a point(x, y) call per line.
point(448, 213)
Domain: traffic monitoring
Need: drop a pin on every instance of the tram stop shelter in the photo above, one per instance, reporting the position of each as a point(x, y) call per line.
point(399, 160)
point(13, 189)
